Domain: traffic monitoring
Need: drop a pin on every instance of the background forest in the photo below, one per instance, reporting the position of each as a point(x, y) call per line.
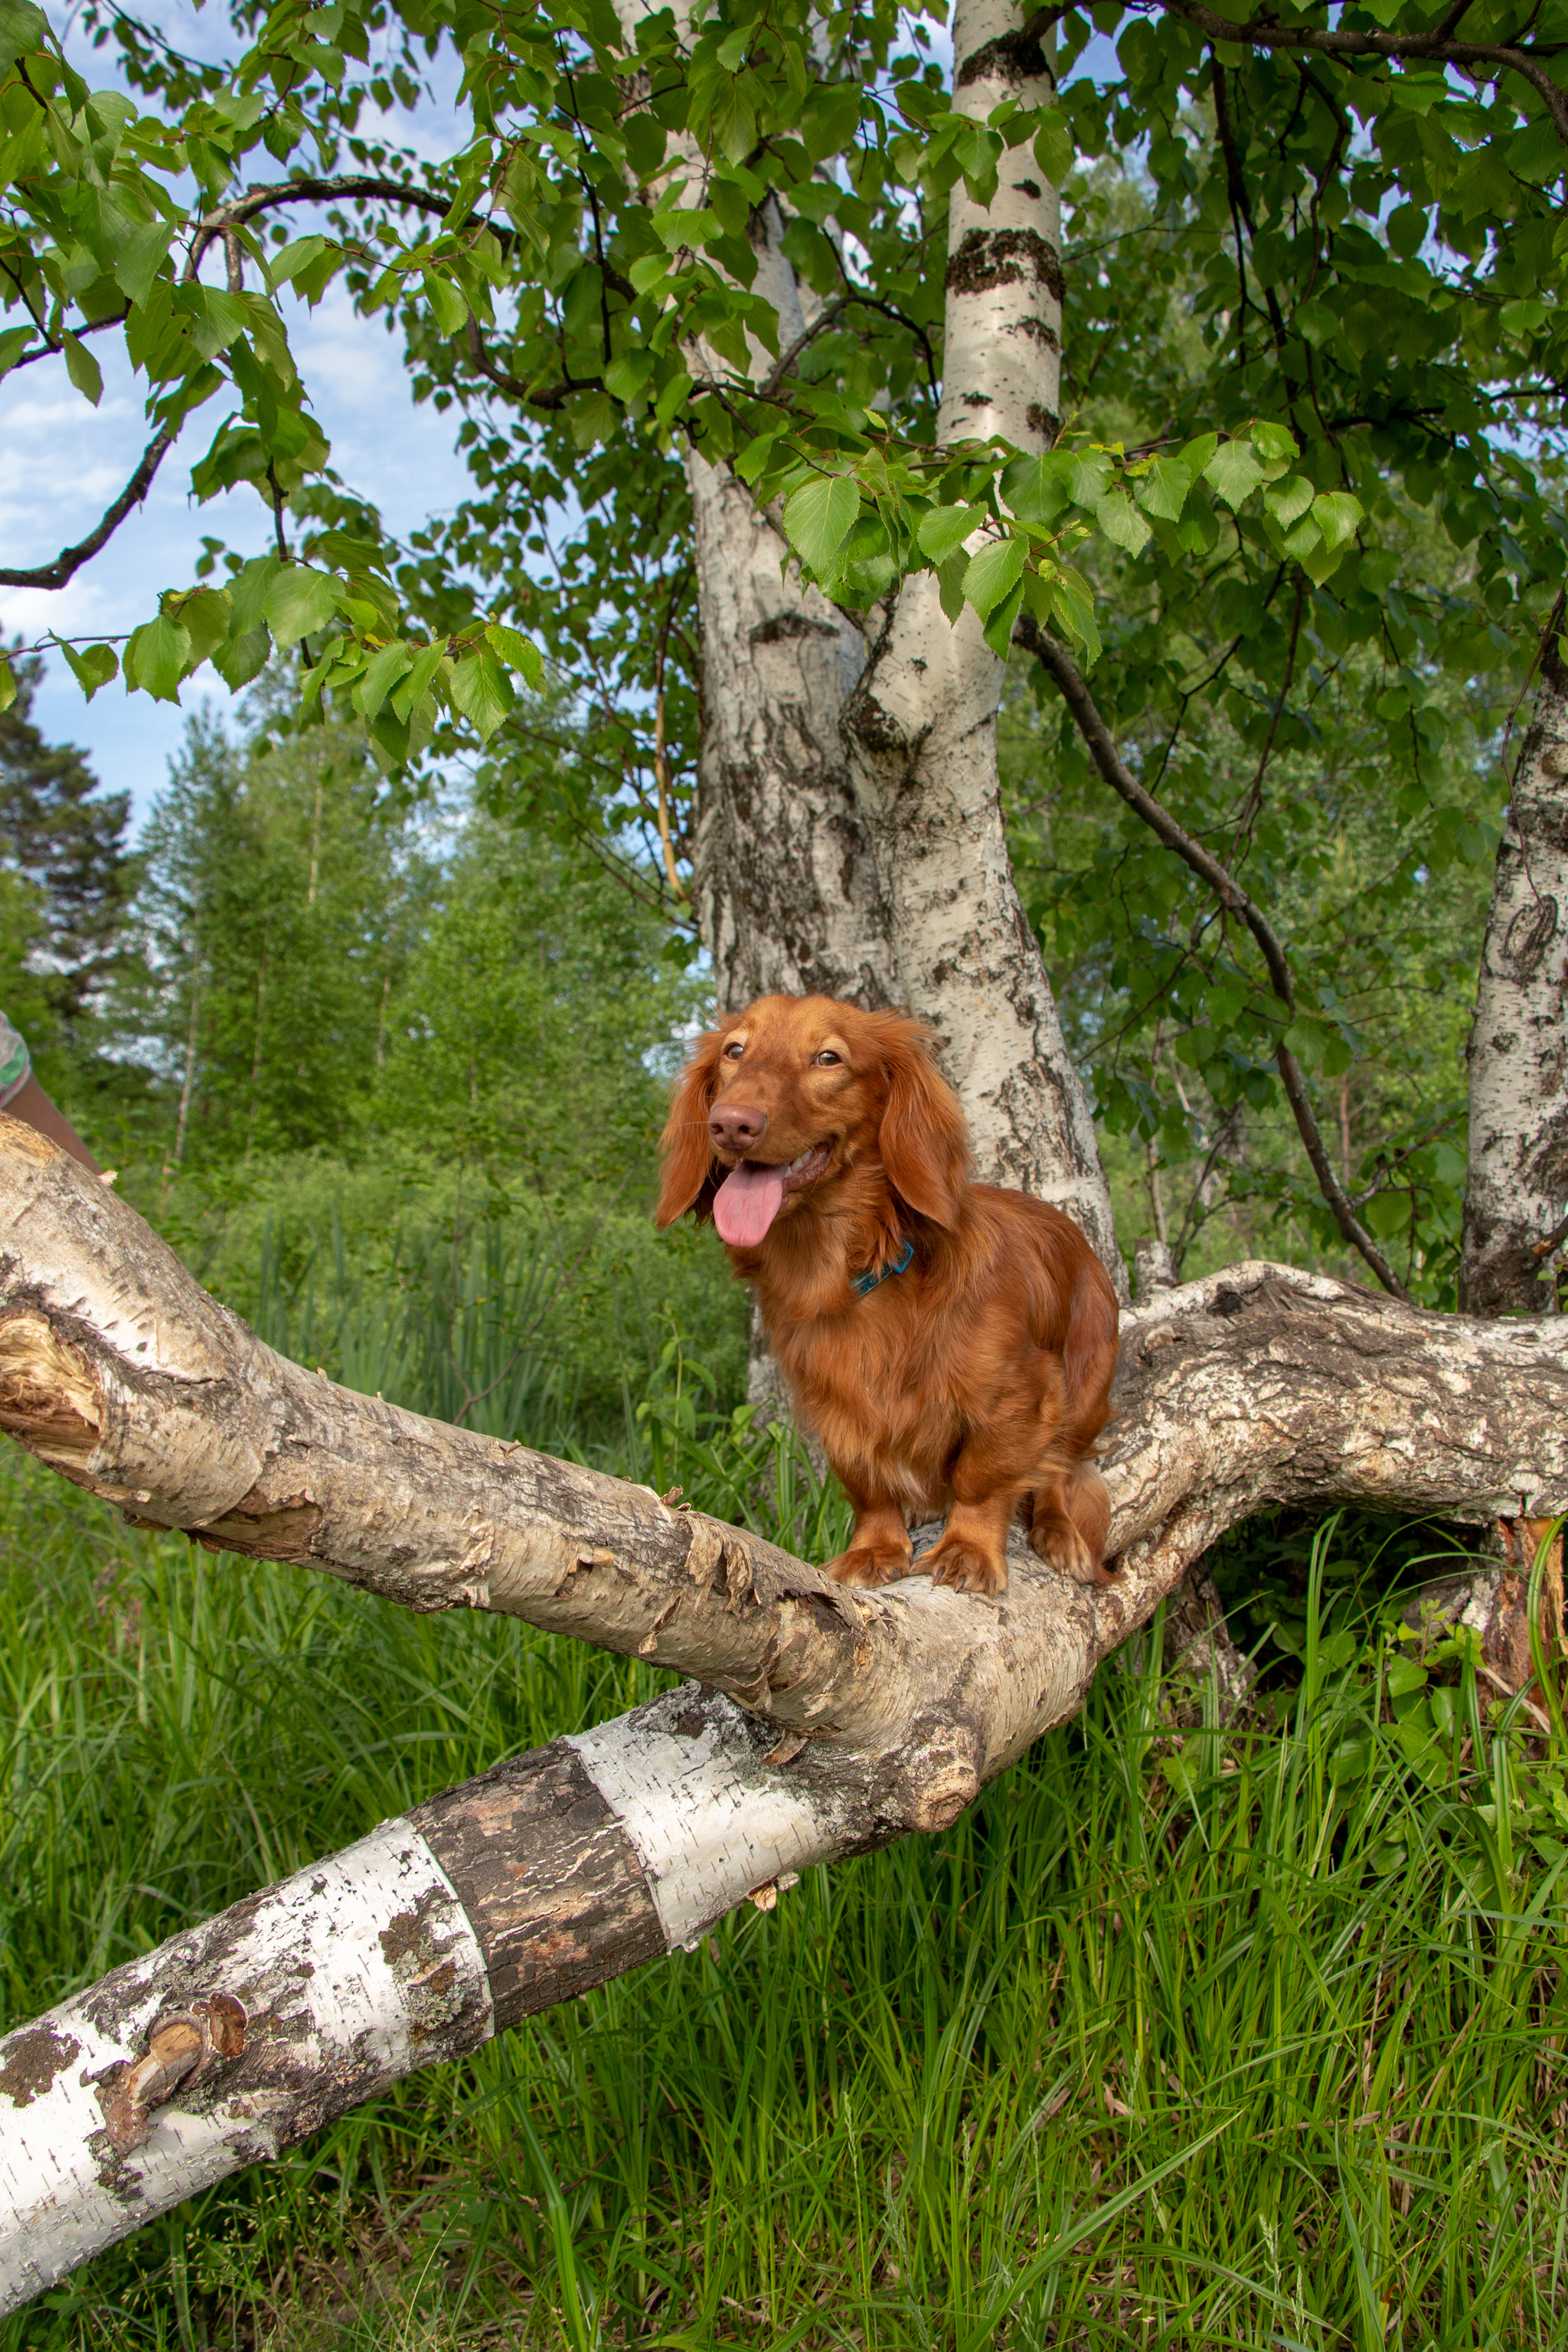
point(1175, 2037)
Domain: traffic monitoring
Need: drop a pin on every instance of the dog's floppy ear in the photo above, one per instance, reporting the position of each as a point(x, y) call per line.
point(925, 1142)
point(686, 1144)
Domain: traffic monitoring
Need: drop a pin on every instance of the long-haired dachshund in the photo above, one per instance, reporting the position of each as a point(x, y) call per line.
point(952, 1344)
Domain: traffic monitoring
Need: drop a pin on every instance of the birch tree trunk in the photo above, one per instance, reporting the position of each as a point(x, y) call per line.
point(1516, 1199)
point(922, 725)
point(784, 879)
point(829, 1721)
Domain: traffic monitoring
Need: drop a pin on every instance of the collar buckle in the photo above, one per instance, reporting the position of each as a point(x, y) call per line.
point(862, 1284)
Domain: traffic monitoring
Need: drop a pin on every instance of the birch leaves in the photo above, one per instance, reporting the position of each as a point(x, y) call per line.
point(998, 529)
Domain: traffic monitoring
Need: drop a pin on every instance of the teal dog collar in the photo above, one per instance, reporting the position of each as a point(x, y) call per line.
point(863, 1283)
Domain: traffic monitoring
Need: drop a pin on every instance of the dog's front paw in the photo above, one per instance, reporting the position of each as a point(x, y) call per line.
point(869, 1564)
point(1060, 1544)
point(967, 1567)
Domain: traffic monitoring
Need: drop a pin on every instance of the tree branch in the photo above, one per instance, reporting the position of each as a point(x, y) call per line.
point(1435, 46)
point(834, 1721)
point(1058, 663)
point(71, 559)
point(554, 396)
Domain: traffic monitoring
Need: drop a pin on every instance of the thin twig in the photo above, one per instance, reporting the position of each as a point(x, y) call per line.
point(1055, 659)
point(71, 559)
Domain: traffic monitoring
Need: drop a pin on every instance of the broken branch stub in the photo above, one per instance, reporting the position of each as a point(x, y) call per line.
point(833, 1721)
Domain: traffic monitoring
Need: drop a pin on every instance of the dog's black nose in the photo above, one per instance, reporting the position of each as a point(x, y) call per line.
point(737, 1127)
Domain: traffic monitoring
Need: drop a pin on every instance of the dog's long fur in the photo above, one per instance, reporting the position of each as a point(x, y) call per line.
point(975, 1382)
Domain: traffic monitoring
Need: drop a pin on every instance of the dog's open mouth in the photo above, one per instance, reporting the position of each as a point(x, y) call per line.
point(752, 1195)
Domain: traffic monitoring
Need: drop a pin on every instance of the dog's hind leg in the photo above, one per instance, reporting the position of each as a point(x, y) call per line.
point(1069, 1516)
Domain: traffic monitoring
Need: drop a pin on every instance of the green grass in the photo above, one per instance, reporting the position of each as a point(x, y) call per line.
point(1237, 2041)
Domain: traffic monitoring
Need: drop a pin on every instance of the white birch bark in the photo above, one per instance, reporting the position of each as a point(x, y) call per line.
point(832, 1721)
point(923, 723)
point(1516, 1199)
point(784, 879)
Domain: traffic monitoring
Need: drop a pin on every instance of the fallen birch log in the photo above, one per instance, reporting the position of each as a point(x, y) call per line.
point(824, 1722)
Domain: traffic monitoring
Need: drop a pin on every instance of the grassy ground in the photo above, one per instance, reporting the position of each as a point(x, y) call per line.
point(1246, 2041)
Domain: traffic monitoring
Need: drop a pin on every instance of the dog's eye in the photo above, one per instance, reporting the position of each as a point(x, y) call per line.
point(733, 1052)
point(828, 1059)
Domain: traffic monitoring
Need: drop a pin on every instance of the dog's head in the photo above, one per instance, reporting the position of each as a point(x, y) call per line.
point(779, 1102)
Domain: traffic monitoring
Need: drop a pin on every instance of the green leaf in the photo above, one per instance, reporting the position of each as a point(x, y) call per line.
point(1275, 445)
point(242, 658)
point(83, 369)
point(644, 135)
point(1164, 490)
point(1000, 626)
point(1404, 1674)
point(156, 658)
point(1119, 520)
point(13, 343)
point(205, 617)
point(298, 602)
point(995, 571)
point(1073, 601)
point(294, 258)
point(7, 684)
point(380, 675)
point(1288, 501)
point(1337, 516)
point(819, 517)
point(626, 377)
point(91, 668)
point(1316, 322)
point(141, 257)
point(518, 651)
point(1234, 472)
point(1388, 1214)
point(943, 531)
point(1089, 477)
point(248, 590)
point(23, 30)
point(482, 691)
point(1037, 489)
point(950, 586)
point(407, 697)
point(1054, 145)
point(449, 307)
point(672, 399)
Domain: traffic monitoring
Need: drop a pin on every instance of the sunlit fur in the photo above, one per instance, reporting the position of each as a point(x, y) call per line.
point(976, 1382)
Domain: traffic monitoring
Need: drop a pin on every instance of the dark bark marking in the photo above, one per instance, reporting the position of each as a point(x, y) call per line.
point(1014, 57)
point(782, 627)
point(1041, 331)
point(1004, 257)
point(549, 1878)
point(1527, 938)
point(33, 2058)
point(1043, 421)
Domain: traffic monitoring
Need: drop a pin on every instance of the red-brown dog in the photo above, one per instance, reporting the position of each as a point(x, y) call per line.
point(950, 1343)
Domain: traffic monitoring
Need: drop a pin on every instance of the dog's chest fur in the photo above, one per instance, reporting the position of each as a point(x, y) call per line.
point(873, 1387)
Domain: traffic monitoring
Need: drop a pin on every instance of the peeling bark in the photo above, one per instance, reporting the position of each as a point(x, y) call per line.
point(1516, 1198)
point(831, 1721)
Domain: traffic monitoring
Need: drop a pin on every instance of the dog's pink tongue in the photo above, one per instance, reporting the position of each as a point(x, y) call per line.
point(746, 1204)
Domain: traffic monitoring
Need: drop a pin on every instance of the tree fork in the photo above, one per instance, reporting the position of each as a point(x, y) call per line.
point(828, 1721)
